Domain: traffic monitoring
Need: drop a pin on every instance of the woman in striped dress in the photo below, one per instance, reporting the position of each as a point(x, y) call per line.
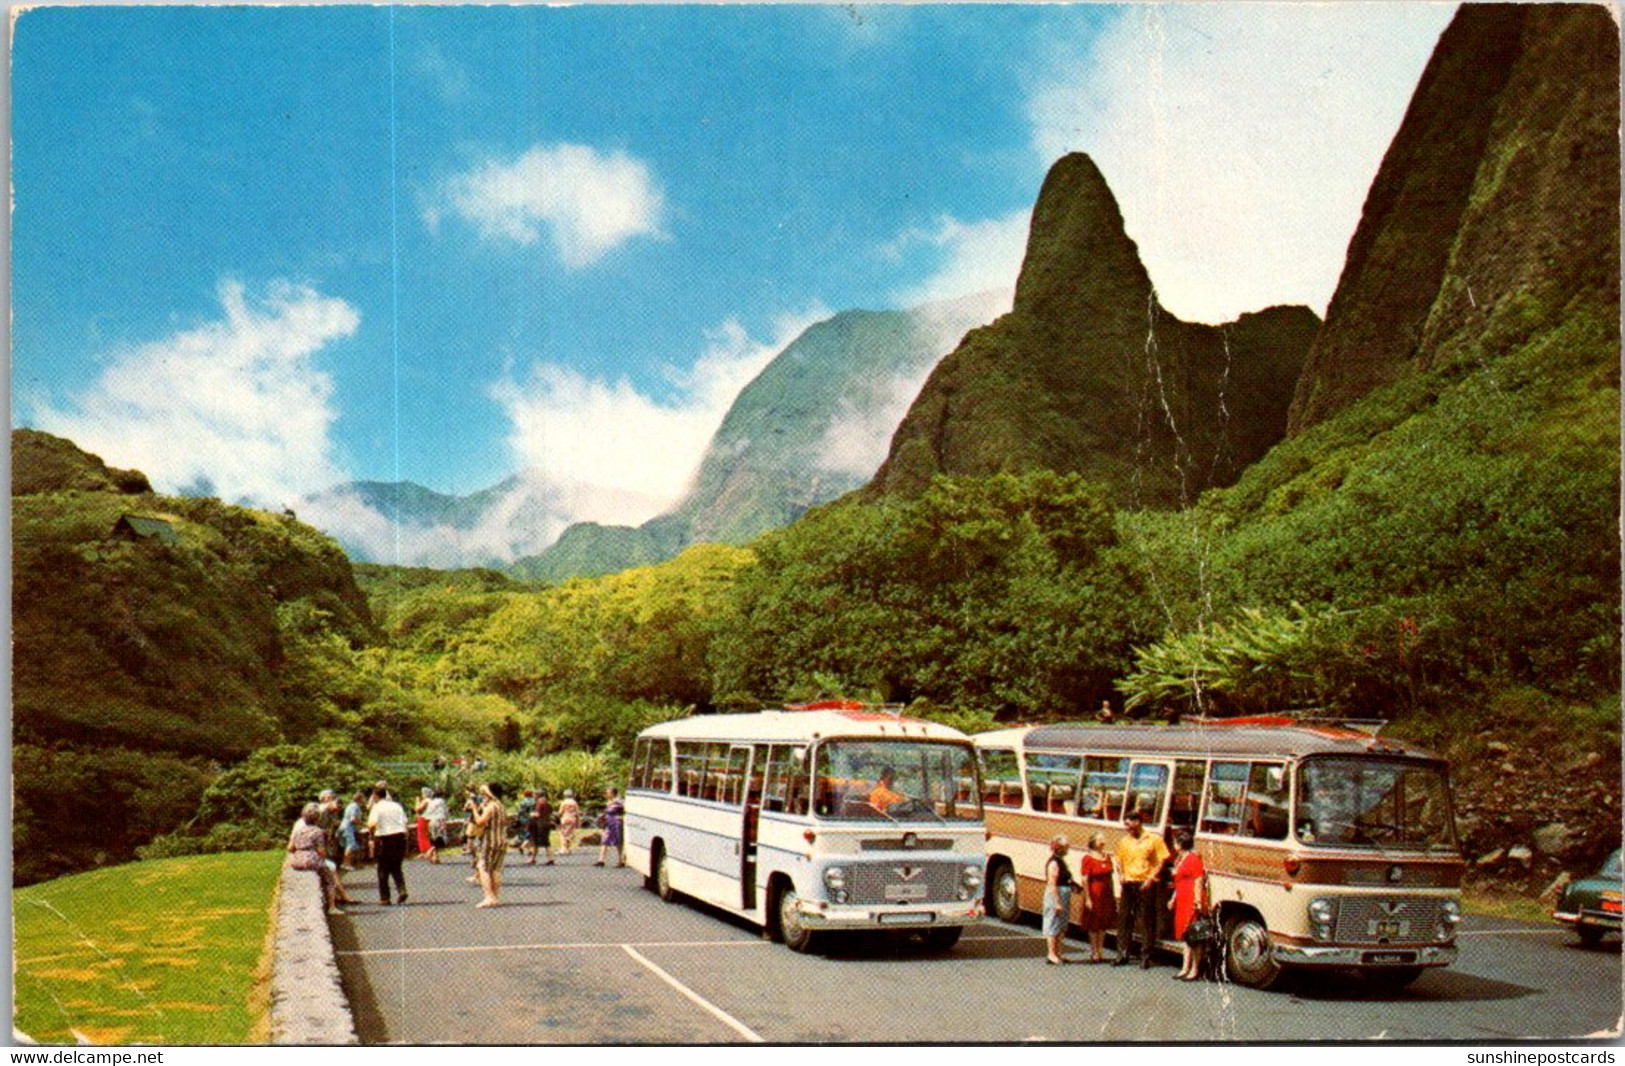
point(491, 844)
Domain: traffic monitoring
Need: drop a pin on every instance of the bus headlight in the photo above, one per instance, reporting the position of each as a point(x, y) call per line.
point(970, 882)
point(835, 882)
point(1449, 918)
point(1322, 916)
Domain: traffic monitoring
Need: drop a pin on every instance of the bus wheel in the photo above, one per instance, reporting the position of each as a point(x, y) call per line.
point(1391, 979)
point(796, 936)
point(663, 887)
point(943, 938)
point(1247, 959)
point(1002, 899)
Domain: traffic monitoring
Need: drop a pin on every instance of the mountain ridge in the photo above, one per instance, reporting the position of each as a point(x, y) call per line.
point(1089, 374)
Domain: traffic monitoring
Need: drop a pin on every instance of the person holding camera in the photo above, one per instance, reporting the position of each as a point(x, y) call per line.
point(488, 830)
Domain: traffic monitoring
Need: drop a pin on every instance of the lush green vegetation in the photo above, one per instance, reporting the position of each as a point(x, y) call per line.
point(1455, 533)
point(169, 952)
point(1009, 596)
point(142, 663)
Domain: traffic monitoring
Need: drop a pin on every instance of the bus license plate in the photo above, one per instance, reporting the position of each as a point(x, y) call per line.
point(1390, 928)
point(1390, 958)
point(905, 893)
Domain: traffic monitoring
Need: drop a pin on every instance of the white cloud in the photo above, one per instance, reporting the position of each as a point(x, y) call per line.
point(971, 257)
point(519, 522)
point(589, 202)
point(236, 406)
point(592, 451)
point(611, 453)
point(1239, 139)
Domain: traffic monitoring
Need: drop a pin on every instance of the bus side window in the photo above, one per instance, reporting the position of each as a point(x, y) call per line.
point(731, 779)
point(1052, 780)
point(1104, 779)
point(758, 772)
point(1226, 798)
point(795, 768)
point(1266, 802)
point(660, 766)
point(776, 788)
point(716, 770)
point(998, 773)
point(1189, 777)
point(1148, 784)
point(786, 780)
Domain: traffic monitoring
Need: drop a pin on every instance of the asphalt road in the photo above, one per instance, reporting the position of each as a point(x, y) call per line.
point(580, 954)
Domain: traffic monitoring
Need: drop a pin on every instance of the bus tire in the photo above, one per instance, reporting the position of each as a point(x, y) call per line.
point(1247, 959)
point(943, 938)
point(1002, 895)
point(662, 878)
point(796, 936)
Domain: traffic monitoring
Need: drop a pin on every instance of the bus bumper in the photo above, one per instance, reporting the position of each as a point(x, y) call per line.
point(1313, 955)
point(817, 914)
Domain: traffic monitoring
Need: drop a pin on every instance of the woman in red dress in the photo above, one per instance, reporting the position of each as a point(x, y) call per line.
point(422, 811)
point(1190, 899)
point(1099, 905)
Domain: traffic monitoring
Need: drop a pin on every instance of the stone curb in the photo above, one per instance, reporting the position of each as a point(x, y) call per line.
point(307, 996)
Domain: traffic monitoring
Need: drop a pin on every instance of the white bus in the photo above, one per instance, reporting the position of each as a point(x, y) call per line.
point(1325, 846)
point(812, 819)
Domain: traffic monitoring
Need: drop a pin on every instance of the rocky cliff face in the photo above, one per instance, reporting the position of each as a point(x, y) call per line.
point(1089, 374)
point(1496, 205)
point(813, 425)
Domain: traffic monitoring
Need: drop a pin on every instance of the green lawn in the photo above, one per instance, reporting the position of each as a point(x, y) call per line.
point(162, 952)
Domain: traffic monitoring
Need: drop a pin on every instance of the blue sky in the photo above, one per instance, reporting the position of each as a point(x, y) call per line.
point(262, 250)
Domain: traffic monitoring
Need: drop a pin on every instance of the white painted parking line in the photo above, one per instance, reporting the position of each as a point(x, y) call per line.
point(716, 1012)
point(455, 948)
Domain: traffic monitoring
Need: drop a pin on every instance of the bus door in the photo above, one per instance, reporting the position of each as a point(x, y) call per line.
point(748, 771)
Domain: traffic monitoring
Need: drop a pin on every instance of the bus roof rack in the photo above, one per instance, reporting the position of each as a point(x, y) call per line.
point(894, 709)
point(1369, 726)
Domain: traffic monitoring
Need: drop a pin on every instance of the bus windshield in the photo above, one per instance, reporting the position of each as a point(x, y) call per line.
point(1374, 803)
point(894, 780)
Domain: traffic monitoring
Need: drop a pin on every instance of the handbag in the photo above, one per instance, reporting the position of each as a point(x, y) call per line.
point(1201, 930)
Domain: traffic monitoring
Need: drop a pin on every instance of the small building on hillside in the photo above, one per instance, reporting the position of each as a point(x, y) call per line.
point(145, 527)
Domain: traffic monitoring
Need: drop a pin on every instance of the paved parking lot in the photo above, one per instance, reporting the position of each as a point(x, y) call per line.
point(580, 954)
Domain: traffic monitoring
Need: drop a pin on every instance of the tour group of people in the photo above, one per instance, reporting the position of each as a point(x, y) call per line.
point(1152, 878)
point(331, 839)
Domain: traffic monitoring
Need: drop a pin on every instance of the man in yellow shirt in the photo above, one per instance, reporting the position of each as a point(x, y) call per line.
point(1139, 856)
point(883, 795)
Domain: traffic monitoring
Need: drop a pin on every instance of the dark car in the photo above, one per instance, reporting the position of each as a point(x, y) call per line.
point(1592, 905)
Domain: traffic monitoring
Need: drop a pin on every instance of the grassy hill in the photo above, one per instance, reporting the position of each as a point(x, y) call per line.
point(155, 637)
point(168, 952)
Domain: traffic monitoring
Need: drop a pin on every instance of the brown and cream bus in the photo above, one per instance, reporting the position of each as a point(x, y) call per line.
point(1325, 845)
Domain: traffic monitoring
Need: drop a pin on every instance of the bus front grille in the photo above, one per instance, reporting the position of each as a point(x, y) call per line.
point(1387, 919)
point(903, 882)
